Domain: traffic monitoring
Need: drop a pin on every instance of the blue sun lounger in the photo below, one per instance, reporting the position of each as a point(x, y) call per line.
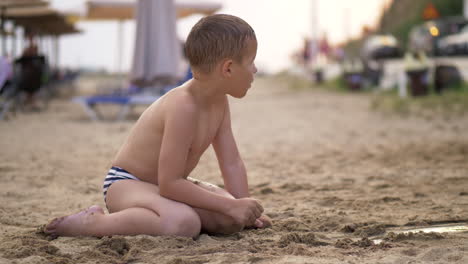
point(127, 102)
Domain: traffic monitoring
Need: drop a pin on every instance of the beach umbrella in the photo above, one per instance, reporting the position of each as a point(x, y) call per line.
point(6, 5)
point(157, 50)
point(122, 10)
point(43, 22)
point(37, 17)
point(126, 9)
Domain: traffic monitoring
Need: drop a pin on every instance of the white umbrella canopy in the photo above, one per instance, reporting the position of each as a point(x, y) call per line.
point(158, 51)
point(121, 10)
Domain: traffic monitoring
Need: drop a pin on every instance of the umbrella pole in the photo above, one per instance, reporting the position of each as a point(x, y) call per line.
point(53, 59)
point(120, 45)
point(56, 50)
point(14, 48)
point(2, 28)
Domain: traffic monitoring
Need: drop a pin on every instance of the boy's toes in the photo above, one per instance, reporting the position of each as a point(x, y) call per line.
point(51, 227)
point(74, 224)
point(258, 223)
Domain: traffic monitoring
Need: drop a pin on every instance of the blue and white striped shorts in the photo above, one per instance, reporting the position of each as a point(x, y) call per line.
point(116, 174)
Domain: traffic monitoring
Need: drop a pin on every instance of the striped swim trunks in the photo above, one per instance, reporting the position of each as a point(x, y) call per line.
point(116, 174)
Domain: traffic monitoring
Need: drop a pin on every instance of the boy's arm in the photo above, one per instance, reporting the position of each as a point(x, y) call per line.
point(179, 124)
point(231, 164)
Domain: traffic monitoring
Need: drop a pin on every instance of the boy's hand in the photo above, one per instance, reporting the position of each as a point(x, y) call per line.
point(246, 211)
point(262, 222)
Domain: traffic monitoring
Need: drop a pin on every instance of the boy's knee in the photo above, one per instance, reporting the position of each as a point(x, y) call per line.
point(186, 223)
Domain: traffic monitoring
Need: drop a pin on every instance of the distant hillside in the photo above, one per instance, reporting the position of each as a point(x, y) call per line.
point(402, 15)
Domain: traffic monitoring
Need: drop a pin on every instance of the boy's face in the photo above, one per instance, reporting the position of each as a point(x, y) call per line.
point(243, 72)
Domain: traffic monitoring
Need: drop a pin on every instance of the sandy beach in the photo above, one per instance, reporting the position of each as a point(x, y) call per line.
point(331, 173)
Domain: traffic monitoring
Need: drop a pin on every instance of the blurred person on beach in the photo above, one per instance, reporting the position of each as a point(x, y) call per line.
point(147, 190)
point(30, 68)
point(306, 52)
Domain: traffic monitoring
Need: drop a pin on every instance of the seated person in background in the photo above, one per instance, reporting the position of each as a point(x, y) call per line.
point(148, 189)
point(30, 67)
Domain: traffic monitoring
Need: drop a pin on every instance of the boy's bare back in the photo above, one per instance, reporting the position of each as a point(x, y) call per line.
point(198, 123)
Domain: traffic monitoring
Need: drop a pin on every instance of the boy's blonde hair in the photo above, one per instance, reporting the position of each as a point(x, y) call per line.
point(215, 38)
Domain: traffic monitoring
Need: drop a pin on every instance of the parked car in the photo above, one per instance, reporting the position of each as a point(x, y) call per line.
point(454, 44)
point(425, 37)
point(380, 47)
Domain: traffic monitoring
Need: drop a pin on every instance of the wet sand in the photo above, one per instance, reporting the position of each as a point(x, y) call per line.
point(331, 173)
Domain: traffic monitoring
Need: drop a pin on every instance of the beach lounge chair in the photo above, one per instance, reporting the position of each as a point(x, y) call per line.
point(126, 101)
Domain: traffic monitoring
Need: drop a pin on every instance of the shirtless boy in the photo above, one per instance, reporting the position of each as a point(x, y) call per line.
point(147, 190)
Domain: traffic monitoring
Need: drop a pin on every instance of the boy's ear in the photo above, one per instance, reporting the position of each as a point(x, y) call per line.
point(226, 68)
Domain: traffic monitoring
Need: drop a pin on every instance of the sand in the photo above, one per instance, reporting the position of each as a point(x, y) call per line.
point(331, 173)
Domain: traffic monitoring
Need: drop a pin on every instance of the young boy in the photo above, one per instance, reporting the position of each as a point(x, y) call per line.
point(148, 191)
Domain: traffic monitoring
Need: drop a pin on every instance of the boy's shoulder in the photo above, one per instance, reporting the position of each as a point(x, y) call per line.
point(179, 101)
point(178, 95)
point(182, 101)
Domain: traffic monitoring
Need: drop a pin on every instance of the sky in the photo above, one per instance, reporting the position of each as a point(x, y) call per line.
point(280, 26)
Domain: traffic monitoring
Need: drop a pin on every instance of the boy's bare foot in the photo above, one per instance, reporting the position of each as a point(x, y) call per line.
point(75, 224)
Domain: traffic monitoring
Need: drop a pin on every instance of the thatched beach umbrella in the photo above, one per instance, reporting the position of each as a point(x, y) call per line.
point(126, 9)
point(6, 5)
point(37, 18)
